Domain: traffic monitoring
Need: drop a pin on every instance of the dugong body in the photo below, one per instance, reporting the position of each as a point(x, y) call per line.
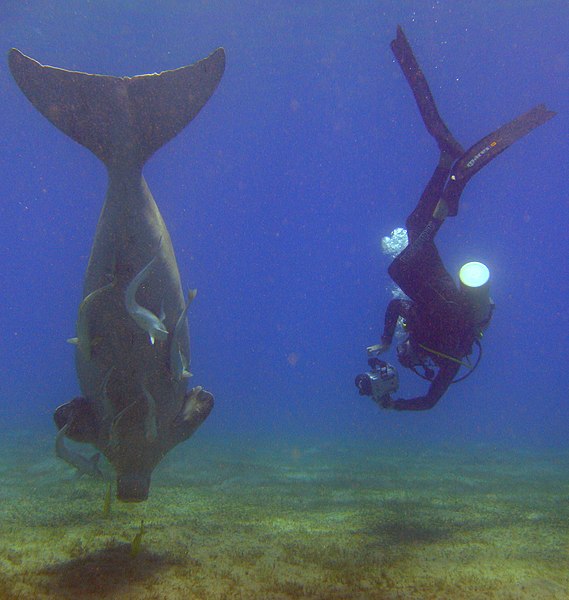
point(134, 406)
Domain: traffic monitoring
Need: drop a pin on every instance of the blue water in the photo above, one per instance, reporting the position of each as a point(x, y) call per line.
point(278, 194)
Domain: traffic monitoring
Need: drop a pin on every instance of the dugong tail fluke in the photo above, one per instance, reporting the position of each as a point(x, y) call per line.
point(134, 405)
point(120, 119)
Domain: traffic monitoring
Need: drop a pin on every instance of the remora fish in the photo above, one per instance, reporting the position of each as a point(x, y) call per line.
point(84, 466)
point(180, 363)
point(123, 121)
point(83, 341)
point(143, 317)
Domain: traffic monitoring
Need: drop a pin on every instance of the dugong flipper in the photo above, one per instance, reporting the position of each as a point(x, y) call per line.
point(134, 405)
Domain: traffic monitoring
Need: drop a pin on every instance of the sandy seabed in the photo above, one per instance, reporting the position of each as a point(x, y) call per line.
point(292, 520)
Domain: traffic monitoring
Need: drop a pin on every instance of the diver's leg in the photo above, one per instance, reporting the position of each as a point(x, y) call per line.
point(487, 149)
point(423, 213)
point(423, 96)
point(419, 270)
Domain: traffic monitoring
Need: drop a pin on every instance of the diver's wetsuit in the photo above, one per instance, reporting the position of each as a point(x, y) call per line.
point(440, 318)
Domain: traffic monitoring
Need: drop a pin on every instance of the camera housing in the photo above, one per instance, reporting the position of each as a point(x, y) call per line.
point(379, 382)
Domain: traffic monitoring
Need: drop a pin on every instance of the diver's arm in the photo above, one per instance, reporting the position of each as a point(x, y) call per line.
point(395, 309)
point(438, 387)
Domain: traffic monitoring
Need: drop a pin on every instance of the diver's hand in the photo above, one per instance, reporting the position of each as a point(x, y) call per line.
point(378, 348)
point(386, 402)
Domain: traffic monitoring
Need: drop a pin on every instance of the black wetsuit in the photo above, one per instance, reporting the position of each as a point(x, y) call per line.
point(440, 318)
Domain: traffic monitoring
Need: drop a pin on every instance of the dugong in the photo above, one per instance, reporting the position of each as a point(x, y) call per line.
point(131, 333)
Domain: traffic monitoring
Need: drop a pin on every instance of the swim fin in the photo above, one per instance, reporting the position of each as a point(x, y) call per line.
point(423, 96)
point(488, 148)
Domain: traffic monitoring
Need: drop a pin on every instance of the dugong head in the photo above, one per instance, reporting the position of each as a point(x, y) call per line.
point(134, 470)
point(133, 455)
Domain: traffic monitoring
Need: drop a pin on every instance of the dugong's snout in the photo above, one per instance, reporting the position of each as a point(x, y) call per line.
point(133, 487)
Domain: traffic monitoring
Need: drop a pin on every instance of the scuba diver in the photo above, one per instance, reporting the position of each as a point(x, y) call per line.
point(442, 322)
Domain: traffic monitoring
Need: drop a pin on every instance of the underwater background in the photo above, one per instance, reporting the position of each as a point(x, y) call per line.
point(276, 198)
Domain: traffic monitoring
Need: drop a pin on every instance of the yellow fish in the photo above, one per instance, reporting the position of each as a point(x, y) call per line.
point(136, 544)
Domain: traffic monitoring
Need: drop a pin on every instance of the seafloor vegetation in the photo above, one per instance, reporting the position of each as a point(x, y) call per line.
point(305, 520)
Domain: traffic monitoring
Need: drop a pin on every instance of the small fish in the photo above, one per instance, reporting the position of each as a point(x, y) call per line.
point(136, 544)
point(143, 317)
point(107, 501)
point(83, 340)
point(179, 364)
point(113, 430)
point(85, 466)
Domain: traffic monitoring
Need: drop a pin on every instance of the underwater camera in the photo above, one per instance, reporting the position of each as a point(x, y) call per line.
point(379, 382)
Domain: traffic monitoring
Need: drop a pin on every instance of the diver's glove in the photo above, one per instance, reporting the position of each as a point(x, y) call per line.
point(386, 402)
